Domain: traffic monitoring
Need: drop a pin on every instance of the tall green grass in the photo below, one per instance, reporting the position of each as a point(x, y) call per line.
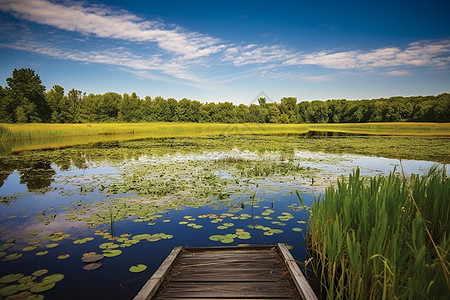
point(382, 238)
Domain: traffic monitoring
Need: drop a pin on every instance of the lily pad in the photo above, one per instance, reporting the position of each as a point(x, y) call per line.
point(6, 246)
point(297, 229)
point(26, 279)
point(13, 256)
point(138, 268)
point(154, 239)
point(92, 266)
point(35, 297)
point(92, 258)
point(9, 290)
point(112, 253)
point(29, 248)
point(41, 253)
point(108, 246)
point(26, 285)
point(42, 287)
point(63, 256)
point(53, 278)
point(11, 277)
point(40, 272)
point(52, 245)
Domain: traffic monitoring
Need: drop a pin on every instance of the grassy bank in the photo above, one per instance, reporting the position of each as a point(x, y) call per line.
point(39, 131)
point(382, 238)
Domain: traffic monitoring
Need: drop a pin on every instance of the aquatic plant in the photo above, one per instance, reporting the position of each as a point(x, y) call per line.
point(382, 238)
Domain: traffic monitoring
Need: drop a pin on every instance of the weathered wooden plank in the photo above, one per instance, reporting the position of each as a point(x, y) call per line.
point(152, 285)
point(224, 289)
point(241, 275)
point(300, 281)
point(228, 248)
point(231, 272)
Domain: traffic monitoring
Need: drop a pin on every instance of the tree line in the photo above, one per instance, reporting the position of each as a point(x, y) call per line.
point(25, 100)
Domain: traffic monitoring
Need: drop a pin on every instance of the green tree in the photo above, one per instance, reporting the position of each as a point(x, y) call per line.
point(27, 96)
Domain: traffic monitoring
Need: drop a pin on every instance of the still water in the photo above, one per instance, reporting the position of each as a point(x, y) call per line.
point(133, 201)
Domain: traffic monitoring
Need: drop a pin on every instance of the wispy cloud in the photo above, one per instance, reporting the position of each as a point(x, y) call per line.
point(256, 54)
point(421, 53)
point(119, 57)
point(103, 22)
point(155, 50)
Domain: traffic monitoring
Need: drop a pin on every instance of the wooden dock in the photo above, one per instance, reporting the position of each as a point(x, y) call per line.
point(254, 272)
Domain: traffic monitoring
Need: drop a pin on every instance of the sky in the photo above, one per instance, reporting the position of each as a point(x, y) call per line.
point(216, 51)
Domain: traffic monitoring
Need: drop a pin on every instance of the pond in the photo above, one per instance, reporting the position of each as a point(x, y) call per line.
point(133, 201)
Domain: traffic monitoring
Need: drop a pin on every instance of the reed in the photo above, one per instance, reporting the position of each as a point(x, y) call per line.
point(382, 238)
point(45, 131)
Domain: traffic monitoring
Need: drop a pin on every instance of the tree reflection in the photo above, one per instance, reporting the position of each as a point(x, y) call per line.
point(37, 175)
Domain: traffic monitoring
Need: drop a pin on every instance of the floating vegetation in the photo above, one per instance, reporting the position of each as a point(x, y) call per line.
point(117, 195)
point(138, 268)
point(19, 286)
point(13, 256)
point(82, 241)
point(229, 238)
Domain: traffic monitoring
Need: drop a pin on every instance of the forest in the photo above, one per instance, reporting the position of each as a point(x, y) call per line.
point(25, 100)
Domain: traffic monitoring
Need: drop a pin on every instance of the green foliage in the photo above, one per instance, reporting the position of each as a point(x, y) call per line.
point(368, 240)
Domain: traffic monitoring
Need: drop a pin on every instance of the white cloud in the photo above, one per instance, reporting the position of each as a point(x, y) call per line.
point(398, 73)
point(422, 53)
point(255, 54)
point(119, 57)
point(105, 23)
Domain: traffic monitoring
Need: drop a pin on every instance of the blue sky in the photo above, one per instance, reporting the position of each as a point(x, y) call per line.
point(216, 51)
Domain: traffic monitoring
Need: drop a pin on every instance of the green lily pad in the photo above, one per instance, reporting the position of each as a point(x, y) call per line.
point(297, 229)
point(9, 290)
point(92, 266)
point(215, 237)
point(108, 246)
point(13, 256)
point(26, 279)
point(42, 287)
point(2, 254)
point(29, 248)
point(35, 297)
point(154, 239)
point(63, 256)
point(183, 222)
point(138, 268)
point(41, 253)
point(112, 253)
point(53, 278)
point(11, 277)
point(6, 246)
point(52, 245)
point(26, 285)
point(40, 272)
point(227, 240)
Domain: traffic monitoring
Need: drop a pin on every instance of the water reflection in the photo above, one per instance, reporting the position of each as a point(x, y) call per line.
point(37, 175)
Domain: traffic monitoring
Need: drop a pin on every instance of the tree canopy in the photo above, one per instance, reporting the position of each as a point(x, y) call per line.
point(24, 100)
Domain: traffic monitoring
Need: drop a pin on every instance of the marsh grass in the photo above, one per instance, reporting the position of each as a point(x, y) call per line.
point(368, 240)
point(39, 131)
